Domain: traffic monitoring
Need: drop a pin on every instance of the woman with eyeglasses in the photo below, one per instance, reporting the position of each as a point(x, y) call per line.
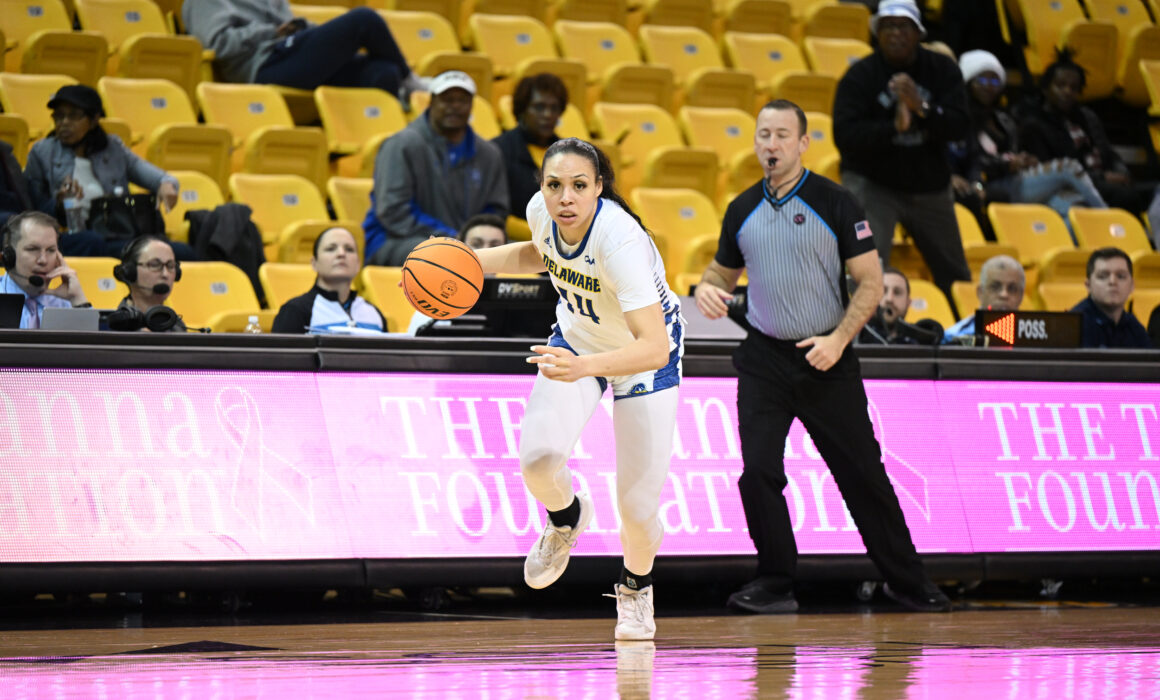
point(79, 161)
point(149, 269)
point(991, 166)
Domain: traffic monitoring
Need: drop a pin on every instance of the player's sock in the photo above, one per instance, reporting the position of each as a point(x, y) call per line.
point(568, 517)
point(635, 581)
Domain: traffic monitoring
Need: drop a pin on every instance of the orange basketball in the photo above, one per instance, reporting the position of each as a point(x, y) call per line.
point(442, 278)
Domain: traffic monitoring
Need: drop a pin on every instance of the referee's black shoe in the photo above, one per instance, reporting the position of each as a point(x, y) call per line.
point(928, 599)
point(756, 598)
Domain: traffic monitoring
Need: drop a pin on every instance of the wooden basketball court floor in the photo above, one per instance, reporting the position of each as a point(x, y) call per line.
point(1037, 651)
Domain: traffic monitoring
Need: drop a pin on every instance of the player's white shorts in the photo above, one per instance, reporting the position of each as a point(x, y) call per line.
point(642, 383)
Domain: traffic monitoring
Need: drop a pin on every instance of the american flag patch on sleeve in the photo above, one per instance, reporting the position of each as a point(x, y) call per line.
point(862, 230)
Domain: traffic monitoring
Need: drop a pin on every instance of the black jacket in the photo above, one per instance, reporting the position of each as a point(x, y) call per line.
point(915, 161)
point(1044, 134)
point(523, 175)
point(14, 197)
point(227, 233)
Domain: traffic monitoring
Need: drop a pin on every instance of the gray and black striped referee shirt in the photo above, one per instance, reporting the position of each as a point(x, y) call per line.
point(794, 249)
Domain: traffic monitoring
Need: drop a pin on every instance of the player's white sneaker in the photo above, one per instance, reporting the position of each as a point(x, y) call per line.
point(549, 555)
point(634, 612)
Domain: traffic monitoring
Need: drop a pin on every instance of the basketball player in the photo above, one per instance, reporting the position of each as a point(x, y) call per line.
point(618, 324)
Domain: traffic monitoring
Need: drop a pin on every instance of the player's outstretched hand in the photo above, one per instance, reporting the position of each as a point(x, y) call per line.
point(825, 352)
point(711, 300)
point(559, 364)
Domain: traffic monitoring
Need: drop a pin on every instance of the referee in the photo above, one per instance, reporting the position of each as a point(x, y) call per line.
point(794, 231)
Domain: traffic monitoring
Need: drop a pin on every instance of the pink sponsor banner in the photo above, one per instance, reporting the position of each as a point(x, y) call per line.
point(102, 465)
point(442, 471)
point(111, 465)
point(1056, 467)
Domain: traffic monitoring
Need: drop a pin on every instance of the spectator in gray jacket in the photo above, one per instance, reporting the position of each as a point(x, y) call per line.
point(261, 41)
point(79, 161)
point(433, 176)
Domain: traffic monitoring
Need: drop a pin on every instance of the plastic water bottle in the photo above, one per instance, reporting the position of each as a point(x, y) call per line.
point(252, 325)
point(73, 214)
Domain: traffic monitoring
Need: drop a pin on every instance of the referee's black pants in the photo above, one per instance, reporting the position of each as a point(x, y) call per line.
point(776, 385)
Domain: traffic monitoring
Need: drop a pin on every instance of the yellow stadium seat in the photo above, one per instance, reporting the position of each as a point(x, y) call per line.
point(699, 252)
point(380, 286)
point(278, 203)
point(283, 281)
point(679, 216)
point(119, 128)
point(296, 244)
point(822, 148)
point(928, 301)
point(520, 46)
point(1099, 228)
point(781, 70)
point(261, 125)
point(1061, 296)
point(21, 19)
point(164, 126)
point(1143, 302)
point(838, 21)
point(81, 55)
point(965, 295)
point(447, 9)
point(1064, 265)
point(351, 117)
point(833, 57)
point(613, 64)
point(14, 131)
point(96, 276)
point(350, 196)
point(236, 321)
point(614, 11)
point(702, 78)
point(1150, 73)
point(141, 42)
point(976, 247)
point(209, 288)
point(430, 43)
point(651, 149)
point(1143, 44)
point(1033, 229)
point(1146, 269)
point(727, 131)
point(1138, 38)
point(758, 16)
point(28, 96)
point(678, 13)
point(1056, 23)
point(198, 191)
point(510, 40)
point(743, 172)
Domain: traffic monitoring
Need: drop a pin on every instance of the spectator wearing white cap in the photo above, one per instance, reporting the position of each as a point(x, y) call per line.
point(895, 112)
point(991, 165)
point(433, 176)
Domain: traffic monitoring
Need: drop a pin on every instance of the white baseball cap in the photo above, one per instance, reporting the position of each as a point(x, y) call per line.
point(898, 8)
point(452, 79)
point(972, 63)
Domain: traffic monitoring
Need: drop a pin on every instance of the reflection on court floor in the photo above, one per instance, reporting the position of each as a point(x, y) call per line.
point(1055, 653)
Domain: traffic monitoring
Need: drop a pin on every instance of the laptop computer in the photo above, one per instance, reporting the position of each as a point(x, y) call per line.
point(60, 319)
point(11, 307)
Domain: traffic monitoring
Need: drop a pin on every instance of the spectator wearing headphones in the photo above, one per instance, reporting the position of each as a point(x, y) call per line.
point(149, 269)
point(32, 260)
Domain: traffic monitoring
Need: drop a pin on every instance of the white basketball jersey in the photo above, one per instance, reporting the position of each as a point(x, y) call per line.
point(615, 269)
